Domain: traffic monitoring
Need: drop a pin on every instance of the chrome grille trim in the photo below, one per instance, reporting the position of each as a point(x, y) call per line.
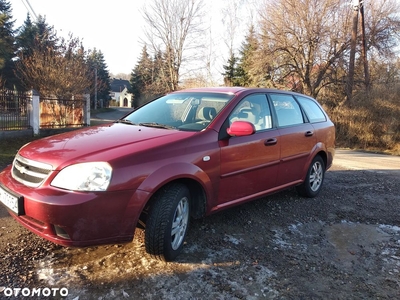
point(29, 172)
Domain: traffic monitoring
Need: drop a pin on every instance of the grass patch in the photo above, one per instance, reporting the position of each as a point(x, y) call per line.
point(10, 146)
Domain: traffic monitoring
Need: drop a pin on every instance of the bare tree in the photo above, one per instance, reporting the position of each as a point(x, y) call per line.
point(382, 22)
point(380, 33)
point(231, 20)
point(309, 40)
point(174, 28)
point(302, 40)
point(55, 71)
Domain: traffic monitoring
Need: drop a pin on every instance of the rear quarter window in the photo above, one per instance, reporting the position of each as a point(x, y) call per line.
point(312, 110)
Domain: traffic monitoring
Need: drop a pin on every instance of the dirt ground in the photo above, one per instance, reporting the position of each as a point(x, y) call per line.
point(344, 244)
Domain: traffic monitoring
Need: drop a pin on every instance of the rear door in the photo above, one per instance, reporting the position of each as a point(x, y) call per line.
point(297, 138)
point(249, 164)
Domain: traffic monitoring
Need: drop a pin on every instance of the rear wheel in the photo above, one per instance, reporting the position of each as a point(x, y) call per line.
point(168, 222)
point(314, 179)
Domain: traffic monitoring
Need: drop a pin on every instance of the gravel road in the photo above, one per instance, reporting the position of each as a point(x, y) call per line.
point(344, 244)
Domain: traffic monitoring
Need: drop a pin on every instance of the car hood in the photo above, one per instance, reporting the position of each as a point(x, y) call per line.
point(104, 142)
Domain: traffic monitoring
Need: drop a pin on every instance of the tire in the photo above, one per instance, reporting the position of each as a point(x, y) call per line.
point(314, 179)
point(168, 222)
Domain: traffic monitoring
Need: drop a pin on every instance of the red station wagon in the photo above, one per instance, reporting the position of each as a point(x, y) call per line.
point(188, 154)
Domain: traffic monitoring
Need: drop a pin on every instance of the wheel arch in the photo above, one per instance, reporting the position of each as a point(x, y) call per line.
point(324, 157)
point(198, 203)
point(197, 181)
point(319, 150)
point(197, 193)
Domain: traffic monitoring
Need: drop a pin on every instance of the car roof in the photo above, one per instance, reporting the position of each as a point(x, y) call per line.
point(235, 90)
point(224, 89)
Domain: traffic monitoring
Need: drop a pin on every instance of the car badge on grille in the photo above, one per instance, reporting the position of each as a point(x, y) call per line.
point(21, 169)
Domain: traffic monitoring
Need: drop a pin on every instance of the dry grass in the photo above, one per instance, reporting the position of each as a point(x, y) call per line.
point(370, 122)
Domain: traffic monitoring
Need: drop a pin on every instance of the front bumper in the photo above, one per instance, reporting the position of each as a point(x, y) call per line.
point(76, 219)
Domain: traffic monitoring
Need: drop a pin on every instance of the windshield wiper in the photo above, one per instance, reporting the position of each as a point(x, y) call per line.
point(125, 121)
point(156, 125)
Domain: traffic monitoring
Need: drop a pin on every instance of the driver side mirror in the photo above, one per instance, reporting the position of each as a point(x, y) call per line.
point(241, 128)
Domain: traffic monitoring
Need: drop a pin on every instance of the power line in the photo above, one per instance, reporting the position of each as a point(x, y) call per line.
point(29, 8)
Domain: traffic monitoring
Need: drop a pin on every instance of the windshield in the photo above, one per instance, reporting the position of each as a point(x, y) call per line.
point(183, 111)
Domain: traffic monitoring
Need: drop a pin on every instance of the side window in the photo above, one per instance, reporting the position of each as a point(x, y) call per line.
point(253, 109)
point(287, 110)
point(312, 110)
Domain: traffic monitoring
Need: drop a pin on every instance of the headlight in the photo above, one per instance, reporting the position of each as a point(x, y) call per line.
point(93, 176)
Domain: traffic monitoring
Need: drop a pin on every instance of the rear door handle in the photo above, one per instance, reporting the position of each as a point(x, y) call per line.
point(270, 142)
point(309, 133)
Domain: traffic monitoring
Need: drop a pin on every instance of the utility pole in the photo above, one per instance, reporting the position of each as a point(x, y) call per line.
point(95, 88)
point(358, 8)
point(364, 47)
point(353, 44)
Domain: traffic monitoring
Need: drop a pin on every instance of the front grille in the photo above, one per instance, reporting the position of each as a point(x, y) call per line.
point(29, 172)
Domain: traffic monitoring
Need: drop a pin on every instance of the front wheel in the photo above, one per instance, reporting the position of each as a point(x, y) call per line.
point(314, 179)
point(168, 222)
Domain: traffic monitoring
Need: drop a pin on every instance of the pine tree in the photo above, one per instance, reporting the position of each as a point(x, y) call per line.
point(36, 42)
point(96, 63)
point(33, 35)
point(230, 74)
point(7, 47)
point(160, 83)
point(45, 36)
point(53, 66)
point(25, 39)
point(142, 77)
point(246, 70)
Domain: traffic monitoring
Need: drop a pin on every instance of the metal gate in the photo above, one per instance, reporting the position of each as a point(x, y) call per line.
point(14, 113)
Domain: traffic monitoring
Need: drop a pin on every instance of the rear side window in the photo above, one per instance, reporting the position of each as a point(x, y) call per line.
point(312, 110)
point(287, 110)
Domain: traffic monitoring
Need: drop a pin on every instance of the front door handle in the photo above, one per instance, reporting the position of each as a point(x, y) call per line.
point(309, 133)
point(270, 142)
